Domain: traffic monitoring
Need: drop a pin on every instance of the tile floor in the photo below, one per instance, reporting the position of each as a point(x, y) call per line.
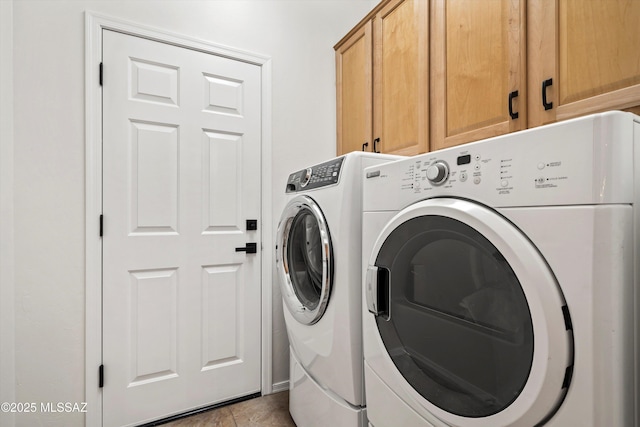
point(265, 411)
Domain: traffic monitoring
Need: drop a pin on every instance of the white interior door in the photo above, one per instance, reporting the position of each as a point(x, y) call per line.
point(181, 153)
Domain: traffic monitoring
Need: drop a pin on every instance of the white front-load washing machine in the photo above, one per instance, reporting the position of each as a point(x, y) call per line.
point(318, 257)
point(501, 280)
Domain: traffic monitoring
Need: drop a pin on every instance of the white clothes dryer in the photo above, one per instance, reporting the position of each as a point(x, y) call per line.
point(318, 257)
point(502, 281)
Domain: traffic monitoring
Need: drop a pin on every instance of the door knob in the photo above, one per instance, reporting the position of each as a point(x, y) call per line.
point(250, 248)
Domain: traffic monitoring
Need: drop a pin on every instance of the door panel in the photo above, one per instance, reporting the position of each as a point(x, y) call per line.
point(153, 325)
point(477, 59)
point(584, 57)
point(478, 69)
point(401, 82)
point(181, 153)
point(154, 173)
point(222, 166)
point(354, 63)
point(585, 31)
point(222, 290)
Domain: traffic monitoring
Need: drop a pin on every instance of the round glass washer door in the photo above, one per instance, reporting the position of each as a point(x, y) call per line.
point(304, 259)
point(470, 315)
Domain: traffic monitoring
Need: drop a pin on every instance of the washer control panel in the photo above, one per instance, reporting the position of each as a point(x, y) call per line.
point(321, 175)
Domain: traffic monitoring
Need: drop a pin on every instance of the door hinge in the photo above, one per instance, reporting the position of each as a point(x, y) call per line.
point(101, 376)
point(101, 222)
point(101, 73)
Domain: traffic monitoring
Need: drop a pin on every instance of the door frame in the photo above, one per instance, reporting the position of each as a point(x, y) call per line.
point(94, 24)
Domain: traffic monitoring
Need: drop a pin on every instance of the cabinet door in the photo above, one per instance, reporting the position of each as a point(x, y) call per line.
point(590, 50)
point(401, 77)
point(354, 91)
point(478, 64)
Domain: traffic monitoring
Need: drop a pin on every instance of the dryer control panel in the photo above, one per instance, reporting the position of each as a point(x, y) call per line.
point(321, 175)
point(588, 160)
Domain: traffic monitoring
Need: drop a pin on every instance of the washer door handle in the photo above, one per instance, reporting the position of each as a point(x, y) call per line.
point(377, 291)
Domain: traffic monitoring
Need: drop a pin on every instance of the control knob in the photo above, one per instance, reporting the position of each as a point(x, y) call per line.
point(437, 172)
point(306, 176)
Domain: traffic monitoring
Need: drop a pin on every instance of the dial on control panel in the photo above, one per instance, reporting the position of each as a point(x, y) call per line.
point(305, 178)
point(437, 172)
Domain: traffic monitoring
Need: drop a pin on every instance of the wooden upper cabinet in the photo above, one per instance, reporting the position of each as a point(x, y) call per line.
point(478, 70)
point(419, 75)
point(401, 77)
point(354, 91)
point(588, 52)
point(383, 81)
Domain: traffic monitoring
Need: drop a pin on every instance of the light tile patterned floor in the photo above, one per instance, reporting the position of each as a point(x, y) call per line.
point(265, 411)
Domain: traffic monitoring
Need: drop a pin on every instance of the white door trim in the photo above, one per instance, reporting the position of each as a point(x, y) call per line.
point(94, 24)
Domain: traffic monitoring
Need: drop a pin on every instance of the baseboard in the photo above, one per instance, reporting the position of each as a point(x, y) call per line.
point(281, 386)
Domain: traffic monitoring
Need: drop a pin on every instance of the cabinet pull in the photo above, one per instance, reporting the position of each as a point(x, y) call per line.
point(375, 145)
point(545, 85)
point(364, 146)
point(512, 95)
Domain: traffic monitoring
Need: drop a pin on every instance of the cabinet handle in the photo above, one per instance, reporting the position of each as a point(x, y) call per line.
point(545, 85)
point(375, 145)
point(364, 146)
point(512, 95)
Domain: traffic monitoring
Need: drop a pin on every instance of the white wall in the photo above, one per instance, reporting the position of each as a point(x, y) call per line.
point(48, 156)
point(7, 362)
